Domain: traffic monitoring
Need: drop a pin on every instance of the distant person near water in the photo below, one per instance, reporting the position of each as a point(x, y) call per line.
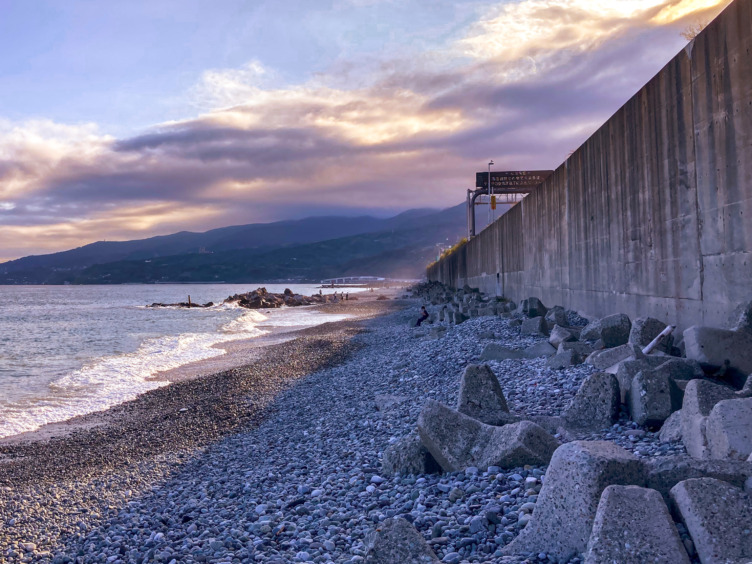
point(423, 316)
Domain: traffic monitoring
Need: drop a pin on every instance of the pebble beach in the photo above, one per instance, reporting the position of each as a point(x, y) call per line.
point(279, 460)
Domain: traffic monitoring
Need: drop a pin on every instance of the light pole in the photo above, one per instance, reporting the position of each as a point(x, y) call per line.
point(490, 211)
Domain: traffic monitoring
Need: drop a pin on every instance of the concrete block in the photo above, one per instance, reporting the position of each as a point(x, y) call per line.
point(560, 335)
point(535, 326)
point(557, 316)
point(532, 307)
point(743, 315)
point(613, 330)
point(645, 329)
point(582, 349)
point(628, 369)
point(596, 403)
point(650, 398)
point(671, 428)
point(397, 541)
point(711, 347)
point(540, 349)
point(564, 360)
point(633, 526)
point(481, 396)
point(679, 368)
point(606, 358)
point(728, 430)
point(498, 352)
point(665, 472)
point(457, 441)
point(409, 456)
point(700, 396)
point(718, 517)
point(565, 511)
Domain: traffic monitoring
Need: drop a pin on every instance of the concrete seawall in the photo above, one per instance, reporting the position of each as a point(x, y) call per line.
point(652, 215)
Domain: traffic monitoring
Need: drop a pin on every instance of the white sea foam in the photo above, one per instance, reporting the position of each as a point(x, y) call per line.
point(109, 381)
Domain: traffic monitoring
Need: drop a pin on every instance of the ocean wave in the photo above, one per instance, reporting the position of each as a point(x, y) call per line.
point(112, 380)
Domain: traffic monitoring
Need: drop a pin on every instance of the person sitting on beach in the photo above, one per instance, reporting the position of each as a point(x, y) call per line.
point(423, 316)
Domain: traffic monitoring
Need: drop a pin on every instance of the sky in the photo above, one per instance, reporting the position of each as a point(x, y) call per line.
point(125, 120)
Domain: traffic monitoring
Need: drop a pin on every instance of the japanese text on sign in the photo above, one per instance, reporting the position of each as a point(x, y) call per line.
point(511, 180)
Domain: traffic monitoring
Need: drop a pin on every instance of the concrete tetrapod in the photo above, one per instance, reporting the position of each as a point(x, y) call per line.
point(718, 517)
point(457, 441)
point(710, 347)
point(409, 456)
point(728, 429)
point(565, 511)
point(396, 541)
point(633, 526)
point(700, 397)
point(596, 403)
point(481, 396)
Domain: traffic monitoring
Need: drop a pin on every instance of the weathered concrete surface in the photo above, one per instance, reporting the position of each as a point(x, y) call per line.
point(457, 441)
point(728, 429)
point(409, 456)
point(645, 329)
point(396, 541)
point(651, 400)
point(481, 396)
point(700, 397)
point(718, 517)
point(711, 347)
point(566, 507)
point(651, 215)
point(596, 403)
point(633, 526)
point(671, 428)
point(665, 473)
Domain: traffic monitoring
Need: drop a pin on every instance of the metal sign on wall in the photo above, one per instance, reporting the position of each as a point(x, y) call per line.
point(512, 181)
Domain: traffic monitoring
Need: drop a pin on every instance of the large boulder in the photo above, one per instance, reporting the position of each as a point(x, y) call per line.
point(728, 430)
point(653, 398)
point(744, 318)
point(481, 396)
point(596, 403)
point(606, 358)
point(532, 307)
point(613, 330)
point(582, 349)
point(535, 326)
point(409, 456)
point(566, 507)
point(560, 335)
point(700, 396)
point(396, 541)
point(665, 472)
point(540, 349)
point(564, 360)
point(458, 441)
point(633, 526)
point(645, 329)
point(718, 517)
point(557, 316)
point(671, 428)
point(711, 347)
point(628, 369)
point(494, 351)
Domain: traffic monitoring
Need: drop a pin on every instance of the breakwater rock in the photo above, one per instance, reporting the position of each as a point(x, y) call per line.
point(260, 298)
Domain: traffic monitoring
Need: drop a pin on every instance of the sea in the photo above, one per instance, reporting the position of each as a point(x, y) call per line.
point(72, 350)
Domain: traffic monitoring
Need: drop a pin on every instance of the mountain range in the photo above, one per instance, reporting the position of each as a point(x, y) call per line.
point(307, 250)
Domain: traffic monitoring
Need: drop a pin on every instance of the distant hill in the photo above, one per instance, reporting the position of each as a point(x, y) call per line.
point(306, 249)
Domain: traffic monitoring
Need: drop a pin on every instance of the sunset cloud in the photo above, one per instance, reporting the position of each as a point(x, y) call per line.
point(525, 85)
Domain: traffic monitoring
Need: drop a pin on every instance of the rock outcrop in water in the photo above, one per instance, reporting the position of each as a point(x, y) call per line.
point(260, 298)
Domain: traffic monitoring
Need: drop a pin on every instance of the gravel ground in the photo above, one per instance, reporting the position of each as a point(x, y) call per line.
point(304, 484)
